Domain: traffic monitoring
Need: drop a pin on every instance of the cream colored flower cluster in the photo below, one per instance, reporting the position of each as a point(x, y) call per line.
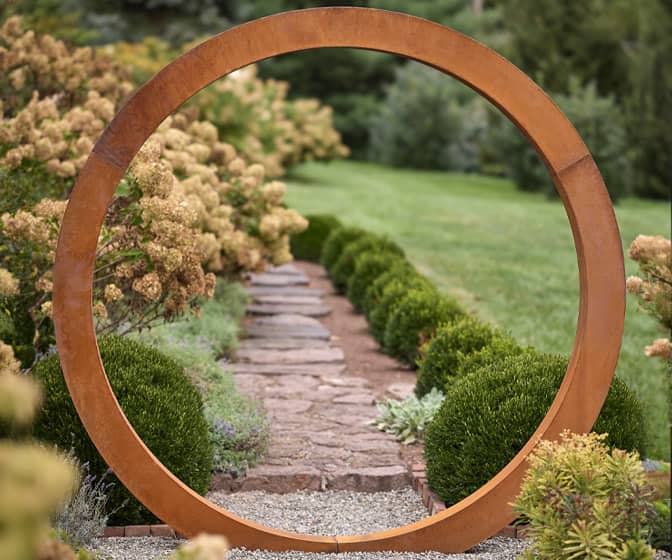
point(149, 262)
point(242, 217)
point(62, 142)
point(653, 254)
point(43, 64)
point(266, 126)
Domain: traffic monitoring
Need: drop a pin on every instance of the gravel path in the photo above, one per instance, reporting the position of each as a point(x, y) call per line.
point(326, 513)
point(151, 548)
point(317, 513)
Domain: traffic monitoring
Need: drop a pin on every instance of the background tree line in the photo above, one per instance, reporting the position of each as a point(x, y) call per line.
point(605, 62)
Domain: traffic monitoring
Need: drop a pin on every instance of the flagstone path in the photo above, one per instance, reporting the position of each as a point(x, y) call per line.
point(321, 436)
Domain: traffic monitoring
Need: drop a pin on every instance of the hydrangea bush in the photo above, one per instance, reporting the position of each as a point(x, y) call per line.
point(254, 115)
point(653, 254)
point(188, 206)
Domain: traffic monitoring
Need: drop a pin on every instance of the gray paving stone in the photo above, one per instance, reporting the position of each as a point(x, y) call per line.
point(280, 331)
point(284, 291)
point(309, 310)
point(288, 299)
point(283, 269)
point(265, 279)
point(316, 370)
point(355, 398)
point(288, 320)
point(282, 344)
point(298, 356)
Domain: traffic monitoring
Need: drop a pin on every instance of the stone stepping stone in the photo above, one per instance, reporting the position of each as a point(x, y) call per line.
point(280, 331)
point(319, 310)
point(355, 398)
point(265, 279)
point(282, 479)
point(399, 391)
point(283, 270)
point(288, 299)
point(284, 291)
point(282, 344)
point(345, 381)
point(315, 370)
point(369, 479)
point(299, 356)
point(288, 320)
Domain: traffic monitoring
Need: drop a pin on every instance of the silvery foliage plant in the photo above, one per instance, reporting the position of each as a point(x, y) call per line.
point(407, 419)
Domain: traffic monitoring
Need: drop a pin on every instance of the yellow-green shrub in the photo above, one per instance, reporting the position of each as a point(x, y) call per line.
point(584, 500)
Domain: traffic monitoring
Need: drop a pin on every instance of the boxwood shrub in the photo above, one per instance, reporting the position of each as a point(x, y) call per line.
point(399, 270)
point(500, 347)
point(336, 242)
point(489, 415)
point(165, 409)
point(343, 269)
point(389, 299)
point(414, 321)
point(307, 245)
point(442, 356)
point(368, 267)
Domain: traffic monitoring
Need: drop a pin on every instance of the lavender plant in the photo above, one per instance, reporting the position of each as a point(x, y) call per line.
point(84, 516)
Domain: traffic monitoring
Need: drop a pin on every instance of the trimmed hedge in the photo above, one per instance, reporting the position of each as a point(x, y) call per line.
point(336, 243)
point(368, 267)
point(398, 271)
point(392, 293)
point(501, 347)
point(343, 269)
point(414, 321)
point(489, 415)
point(445, 352)
point(160, 402)
point(307, 245)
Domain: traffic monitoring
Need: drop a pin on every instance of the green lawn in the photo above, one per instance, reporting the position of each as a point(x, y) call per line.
point(507, 255)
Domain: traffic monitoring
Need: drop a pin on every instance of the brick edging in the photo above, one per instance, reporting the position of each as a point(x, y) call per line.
point(434, 504)
point(140, 531)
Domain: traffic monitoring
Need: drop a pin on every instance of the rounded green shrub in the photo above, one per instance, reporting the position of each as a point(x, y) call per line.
point(501, 346)
point(368, 267)
point(489, 415)
point(398, 271)
point(414, 321)
point(389, 299)
point(336, 242)
point(445, 352)
point(164, 408)
point(307, 245)
point(344, 267)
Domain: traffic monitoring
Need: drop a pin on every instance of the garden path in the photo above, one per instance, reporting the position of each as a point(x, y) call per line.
point(320, 405)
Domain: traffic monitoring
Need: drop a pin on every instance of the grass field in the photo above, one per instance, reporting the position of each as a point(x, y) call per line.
point(506, 255)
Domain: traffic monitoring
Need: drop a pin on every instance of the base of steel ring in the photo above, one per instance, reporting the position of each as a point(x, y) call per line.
point(596, 237)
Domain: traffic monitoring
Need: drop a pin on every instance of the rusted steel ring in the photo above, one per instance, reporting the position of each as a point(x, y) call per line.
point(596, 236)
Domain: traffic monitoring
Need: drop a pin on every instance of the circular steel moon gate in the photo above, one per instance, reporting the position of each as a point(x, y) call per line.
point(596, 236)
